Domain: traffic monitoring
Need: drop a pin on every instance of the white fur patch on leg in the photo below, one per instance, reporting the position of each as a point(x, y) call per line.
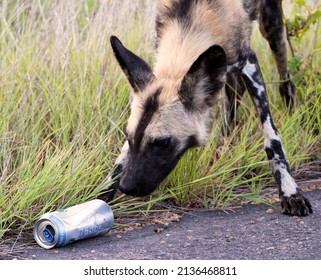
point(249, 71)
point(270, 133)
point(288, 185)
point(279, 161)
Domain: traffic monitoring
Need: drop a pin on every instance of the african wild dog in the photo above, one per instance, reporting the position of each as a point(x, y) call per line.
point(202, 46)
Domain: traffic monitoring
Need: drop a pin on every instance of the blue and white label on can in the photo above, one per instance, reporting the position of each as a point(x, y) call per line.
point(62, 235)
point(48, 234)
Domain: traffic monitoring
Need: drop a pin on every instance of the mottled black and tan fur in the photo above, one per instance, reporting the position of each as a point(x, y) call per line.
point(202, 46)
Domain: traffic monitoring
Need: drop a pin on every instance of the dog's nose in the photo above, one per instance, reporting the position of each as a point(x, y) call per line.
point(133, 189)
point(127, 187)
point(127, 190)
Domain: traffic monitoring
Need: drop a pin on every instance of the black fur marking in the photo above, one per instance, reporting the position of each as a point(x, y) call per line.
point(191, 143)
point(181, 11)
point(270, 153)
point(138, 72)
point(276, 146)
point(209, 69)
point(150, 107)
point(275, 149)
point(162, 149)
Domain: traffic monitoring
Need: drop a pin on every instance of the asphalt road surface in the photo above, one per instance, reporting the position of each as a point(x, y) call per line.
point(250, 232)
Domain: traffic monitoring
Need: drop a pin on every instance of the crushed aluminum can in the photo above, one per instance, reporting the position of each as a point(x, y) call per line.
point(59, 228)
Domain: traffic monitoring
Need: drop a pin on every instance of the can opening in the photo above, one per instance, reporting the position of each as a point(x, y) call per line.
point(49, 233)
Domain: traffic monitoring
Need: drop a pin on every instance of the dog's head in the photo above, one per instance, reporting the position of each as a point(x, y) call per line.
point(168, 116)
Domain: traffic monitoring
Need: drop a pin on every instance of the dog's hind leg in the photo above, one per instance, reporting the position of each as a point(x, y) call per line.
point(234, 90)
point(292, 200)
point(273, 30)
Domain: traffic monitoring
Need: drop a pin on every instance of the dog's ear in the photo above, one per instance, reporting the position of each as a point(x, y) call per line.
point(138, 72)
point(204, 79)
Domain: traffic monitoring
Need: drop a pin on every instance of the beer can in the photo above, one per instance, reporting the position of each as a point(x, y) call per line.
point(59, 228)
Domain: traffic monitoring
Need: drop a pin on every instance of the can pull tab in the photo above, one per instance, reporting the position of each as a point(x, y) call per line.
point(49, 233)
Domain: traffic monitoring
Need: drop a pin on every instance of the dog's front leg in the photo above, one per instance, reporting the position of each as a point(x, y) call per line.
point(292, 200)
point(112, 183)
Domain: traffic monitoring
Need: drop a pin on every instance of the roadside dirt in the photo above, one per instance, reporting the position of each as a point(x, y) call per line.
point(253, 231)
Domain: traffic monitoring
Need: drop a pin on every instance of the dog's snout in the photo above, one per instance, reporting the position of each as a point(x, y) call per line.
point(127, 187)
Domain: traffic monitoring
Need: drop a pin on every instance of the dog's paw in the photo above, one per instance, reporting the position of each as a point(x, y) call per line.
point(296, 205)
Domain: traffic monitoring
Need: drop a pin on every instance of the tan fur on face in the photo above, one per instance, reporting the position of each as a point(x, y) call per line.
point(166, 3)
point(139, 100)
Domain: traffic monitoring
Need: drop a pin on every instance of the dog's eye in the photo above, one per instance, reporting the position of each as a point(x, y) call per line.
point(161, 148)
point(161, 142)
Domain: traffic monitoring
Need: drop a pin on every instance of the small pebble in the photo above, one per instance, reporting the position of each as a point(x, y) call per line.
point(269, 211)
point(158, 230)
point(270, 248)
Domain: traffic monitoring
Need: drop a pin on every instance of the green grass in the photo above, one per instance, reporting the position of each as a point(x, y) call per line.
point(64, 103)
